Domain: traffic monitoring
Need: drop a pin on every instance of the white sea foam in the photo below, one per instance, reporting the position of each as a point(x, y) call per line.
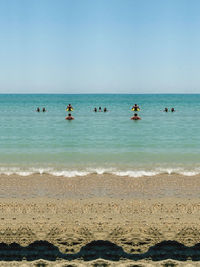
point(25, 173)
point(190, 173)
point(69, 173)
point(135, 173)
point(169, 170)
point(100, 171)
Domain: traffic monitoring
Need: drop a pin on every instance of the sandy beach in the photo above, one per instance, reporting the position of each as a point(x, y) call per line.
point(132, 213)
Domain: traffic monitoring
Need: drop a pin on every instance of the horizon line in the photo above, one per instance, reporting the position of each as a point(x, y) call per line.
point(99, 93)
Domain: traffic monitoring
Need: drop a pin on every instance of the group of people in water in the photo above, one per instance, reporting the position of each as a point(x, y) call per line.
point(70, 108)
point(166, 110)
point(135, 116)
point(43, 109)
point(134, 108)
point(104, 110)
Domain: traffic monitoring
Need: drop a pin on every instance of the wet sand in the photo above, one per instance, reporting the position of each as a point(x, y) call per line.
point(133, 213)
point(105, 185)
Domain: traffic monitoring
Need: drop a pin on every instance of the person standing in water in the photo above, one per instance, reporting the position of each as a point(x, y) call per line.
point(135, 107)
point(105, 110)
point(38, 109)
point(69, 107)
point(135, 117)
point(69, 117)
point(165, 110)
point(99, 109)
point(172, 110)
point(95, 109)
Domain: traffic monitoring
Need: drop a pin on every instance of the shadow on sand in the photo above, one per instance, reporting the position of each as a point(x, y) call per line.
point(98, 249)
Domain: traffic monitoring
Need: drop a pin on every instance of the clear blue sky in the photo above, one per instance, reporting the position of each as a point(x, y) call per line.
point(97, 46)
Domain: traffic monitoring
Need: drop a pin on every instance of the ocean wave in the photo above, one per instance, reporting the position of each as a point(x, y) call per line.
point(69, 173)
point(135, 173)
point(98, 171)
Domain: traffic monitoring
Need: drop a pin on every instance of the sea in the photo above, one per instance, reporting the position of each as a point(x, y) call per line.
point(44, 142)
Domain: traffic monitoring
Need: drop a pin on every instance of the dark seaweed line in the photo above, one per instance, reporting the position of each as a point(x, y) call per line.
point(98, 250)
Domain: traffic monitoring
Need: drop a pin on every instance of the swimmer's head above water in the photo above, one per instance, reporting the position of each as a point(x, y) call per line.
point(69, 117)
point(135, 117)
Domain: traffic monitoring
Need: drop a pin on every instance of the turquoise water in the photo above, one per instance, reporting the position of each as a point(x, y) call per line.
point(99, 142)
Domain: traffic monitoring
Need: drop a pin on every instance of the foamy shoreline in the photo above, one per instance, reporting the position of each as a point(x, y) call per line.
point(135, 173)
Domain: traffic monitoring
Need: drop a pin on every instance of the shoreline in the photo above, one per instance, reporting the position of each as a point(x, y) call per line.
point(82, 171)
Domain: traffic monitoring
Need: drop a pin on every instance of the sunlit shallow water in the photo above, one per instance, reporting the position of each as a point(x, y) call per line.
point(99, 142)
